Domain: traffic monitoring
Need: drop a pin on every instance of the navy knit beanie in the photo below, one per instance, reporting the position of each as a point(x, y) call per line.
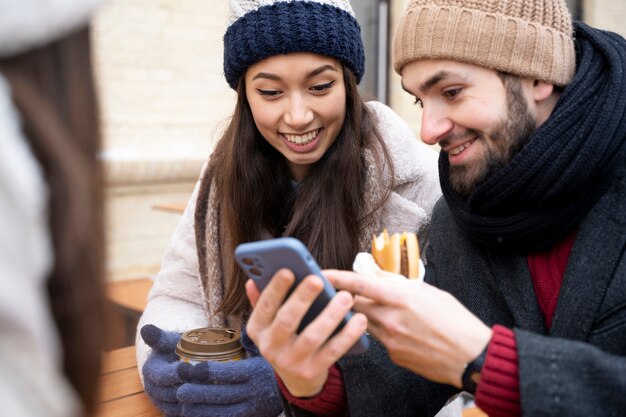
point(264, 28)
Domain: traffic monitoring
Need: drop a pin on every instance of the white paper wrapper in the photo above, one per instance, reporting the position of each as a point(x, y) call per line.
point(365, 264)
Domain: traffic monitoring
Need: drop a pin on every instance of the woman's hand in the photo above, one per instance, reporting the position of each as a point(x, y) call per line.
point(424, 329)
point(300, 360)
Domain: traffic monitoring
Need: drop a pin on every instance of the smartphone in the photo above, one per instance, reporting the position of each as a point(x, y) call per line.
point(260, 260)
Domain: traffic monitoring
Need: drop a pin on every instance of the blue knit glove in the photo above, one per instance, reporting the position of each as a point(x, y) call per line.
point(243, 388)
point(161, 370)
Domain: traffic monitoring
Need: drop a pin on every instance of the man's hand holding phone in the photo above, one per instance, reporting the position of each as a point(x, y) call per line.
point(301, 360)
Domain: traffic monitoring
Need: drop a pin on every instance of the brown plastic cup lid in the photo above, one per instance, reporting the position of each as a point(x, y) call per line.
point(210, 341)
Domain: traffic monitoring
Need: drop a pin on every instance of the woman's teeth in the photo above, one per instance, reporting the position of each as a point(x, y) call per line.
point(303, 139)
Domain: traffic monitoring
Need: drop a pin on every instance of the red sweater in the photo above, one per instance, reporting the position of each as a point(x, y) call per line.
point(498, 391)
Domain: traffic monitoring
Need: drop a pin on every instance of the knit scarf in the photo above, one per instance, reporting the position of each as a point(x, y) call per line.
point(567, 164)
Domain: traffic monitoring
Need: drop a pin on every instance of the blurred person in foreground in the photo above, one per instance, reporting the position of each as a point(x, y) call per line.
point(524, 303)
point(51, 248)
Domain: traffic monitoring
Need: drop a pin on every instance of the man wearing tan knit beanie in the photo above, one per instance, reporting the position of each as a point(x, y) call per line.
point(527, 38)
point(524, 300)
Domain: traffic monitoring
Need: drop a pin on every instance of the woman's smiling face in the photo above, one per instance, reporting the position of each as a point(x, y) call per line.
point(298, 102)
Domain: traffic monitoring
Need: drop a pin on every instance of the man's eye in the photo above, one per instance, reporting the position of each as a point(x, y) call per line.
point(322, 87)
point(419, 102)
point(268, 92)
point(452, 93)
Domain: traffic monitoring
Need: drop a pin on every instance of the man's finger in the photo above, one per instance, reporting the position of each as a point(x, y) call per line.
point(376, 289)
point(377, 314)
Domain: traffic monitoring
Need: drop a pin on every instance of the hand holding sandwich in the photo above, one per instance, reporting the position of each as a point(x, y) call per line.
point(424, 329)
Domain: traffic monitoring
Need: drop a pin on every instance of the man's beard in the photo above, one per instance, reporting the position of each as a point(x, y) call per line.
point(502, 143)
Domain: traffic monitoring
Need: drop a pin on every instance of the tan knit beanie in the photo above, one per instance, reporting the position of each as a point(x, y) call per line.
point(529, 38)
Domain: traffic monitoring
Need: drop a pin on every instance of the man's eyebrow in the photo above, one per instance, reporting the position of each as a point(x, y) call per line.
point(316, 71)
point(427, 85)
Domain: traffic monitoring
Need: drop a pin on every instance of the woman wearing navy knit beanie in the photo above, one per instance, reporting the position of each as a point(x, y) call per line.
point(303, 156)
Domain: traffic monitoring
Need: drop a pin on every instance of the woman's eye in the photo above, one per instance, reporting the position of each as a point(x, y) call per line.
point(418, 101)
point(322, 87)
point(268, 92)
point(452, 93)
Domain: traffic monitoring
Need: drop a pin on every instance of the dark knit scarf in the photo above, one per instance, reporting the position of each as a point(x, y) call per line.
point(567, 164)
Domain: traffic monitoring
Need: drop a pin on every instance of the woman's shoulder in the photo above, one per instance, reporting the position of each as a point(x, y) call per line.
point(386, 117)
point(410, 156)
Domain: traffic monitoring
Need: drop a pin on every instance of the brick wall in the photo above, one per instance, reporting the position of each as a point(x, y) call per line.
point(164, 101)
point(606, 14)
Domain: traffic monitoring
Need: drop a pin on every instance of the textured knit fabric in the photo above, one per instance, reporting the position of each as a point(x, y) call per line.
point(547, 270)
point(208, 388)
point(161, 371)
point(266, 28)
point(330, 402)
point(498, 391)
point(546, 189)
point(558, 374)
point(576, 369)
point(186, 295)
point(243, 388)
point(530, 38)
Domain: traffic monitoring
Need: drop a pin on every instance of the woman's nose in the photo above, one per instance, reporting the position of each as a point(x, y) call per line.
point(299, 114)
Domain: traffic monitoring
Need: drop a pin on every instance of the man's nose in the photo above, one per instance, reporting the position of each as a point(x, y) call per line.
point(436, 124)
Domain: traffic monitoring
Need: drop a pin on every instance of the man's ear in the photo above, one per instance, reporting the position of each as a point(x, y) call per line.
point(545, 97)
point(541, 90)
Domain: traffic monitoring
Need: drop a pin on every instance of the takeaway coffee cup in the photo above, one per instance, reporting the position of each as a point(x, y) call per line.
point(210, 344)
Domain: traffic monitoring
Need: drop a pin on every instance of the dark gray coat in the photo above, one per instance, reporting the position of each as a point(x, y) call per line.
point(578, 368)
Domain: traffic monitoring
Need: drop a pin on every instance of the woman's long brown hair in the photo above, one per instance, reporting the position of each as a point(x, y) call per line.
point(325, 211)
point(53, 89)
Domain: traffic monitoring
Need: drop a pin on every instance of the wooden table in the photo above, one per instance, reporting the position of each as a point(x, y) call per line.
point(129, 299)
point(130, 294)
point(474, 412)
point(171, 207)
point(121, 392)
point(122, 395)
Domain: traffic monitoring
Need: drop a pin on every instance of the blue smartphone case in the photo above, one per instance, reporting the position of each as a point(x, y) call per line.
point(260, 260)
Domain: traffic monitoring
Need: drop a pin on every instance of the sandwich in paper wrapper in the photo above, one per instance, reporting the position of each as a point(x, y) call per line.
point(392, 255)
